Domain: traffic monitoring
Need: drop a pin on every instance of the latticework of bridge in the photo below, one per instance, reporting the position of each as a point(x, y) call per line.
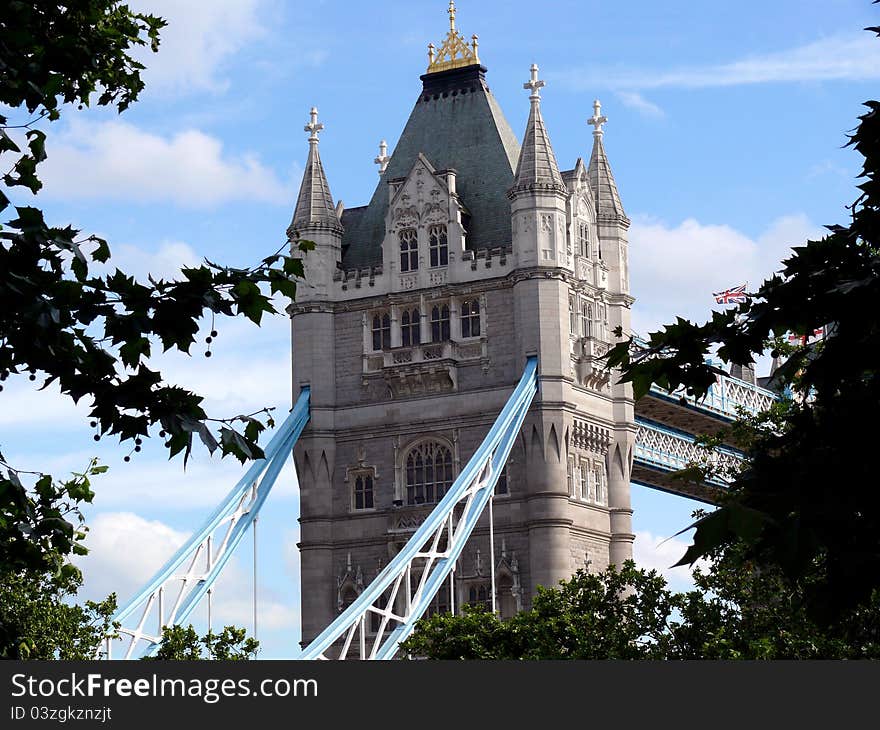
point(666, 426)
point(373, 626)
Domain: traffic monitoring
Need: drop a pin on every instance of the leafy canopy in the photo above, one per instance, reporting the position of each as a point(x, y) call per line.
point(63, 318)
point(738, 611)
point(182, 643)
point(807, 500)
point(40, 528)
point(68, 318)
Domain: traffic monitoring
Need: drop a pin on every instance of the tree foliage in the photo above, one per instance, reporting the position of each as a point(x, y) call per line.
point(40, 528)
point(610, 615)
point(738, 611)
point(68, 318)
point(182, 643)
point(806, 503)
point(64, 317)
point(38, 619)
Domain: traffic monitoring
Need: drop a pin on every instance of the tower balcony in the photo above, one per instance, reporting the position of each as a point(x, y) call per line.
point(585, 351)
point(423, 368)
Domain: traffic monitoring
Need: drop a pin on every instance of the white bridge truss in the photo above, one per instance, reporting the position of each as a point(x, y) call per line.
point(398, 596)
point(386, 612)
point(666, 449)
point(189, 575)
point(726, 397)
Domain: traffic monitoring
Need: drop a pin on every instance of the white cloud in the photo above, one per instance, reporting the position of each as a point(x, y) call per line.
point(198, 40)
point(126, 550)
point(249, 370)
point(658, 553)
point(675, 269)
point(837, 58)
point(24, 406)
point(118, 161)
point(150, 478)
point(163, 263)
point(205, 482)
point(636, 101)
point(827, 167)
point(239, 611)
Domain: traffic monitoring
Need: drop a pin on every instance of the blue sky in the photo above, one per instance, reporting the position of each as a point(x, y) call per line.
point(726, 128)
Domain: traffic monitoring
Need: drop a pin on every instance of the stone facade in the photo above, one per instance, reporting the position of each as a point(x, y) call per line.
point(414, 324)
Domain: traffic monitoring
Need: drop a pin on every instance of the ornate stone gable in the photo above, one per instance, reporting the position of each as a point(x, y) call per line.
point(419, 199)
point(423, 203)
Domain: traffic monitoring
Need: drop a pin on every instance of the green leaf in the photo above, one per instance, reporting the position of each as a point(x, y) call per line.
point(6, 143)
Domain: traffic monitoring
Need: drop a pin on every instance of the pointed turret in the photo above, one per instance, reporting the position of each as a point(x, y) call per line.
point(317, 220)
point(608, 205)
point(314, 205)
point(538, 195)
point(537, 167)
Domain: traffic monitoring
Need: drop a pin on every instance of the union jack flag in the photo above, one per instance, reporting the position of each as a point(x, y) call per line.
point(736, 295)
point(803, 339)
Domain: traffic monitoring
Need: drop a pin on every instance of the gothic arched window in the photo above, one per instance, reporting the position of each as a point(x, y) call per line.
point(348, 597)
point(506, 599)
point(409, 249)
point(583, 240)
point(470, 318)
point(573, 476)
point(585, 481)
point(502, 486)
point(440, 603)
point(438, 246)
point(362, 493)
point(428, 468)
point(376, 619)
point(409, 328)
point(381, 331)
point(440, 323)
point(586, 319)
point(599, 483)
point(480, 596)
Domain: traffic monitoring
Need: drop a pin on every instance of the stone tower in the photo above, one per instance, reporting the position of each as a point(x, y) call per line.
point(419, 311)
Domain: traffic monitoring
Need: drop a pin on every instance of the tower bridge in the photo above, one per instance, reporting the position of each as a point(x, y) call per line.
point(456, 438)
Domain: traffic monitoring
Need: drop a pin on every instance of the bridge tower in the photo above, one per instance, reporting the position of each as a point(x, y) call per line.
point(417, 317)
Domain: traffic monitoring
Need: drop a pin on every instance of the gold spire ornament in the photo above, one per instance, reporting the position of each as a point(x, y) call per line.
point(455, 51)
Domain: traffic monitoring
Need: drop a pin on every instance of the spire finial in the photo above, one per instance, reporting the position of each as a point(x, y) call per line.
point(454, 52)
point(597, 119)
point(534, 85)
point(314, 127)
point(383, 158)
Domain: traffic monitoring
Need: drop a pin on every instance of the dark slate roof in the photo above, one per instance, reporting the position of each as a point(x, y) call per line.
point(351, 217)
point(456, 123)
